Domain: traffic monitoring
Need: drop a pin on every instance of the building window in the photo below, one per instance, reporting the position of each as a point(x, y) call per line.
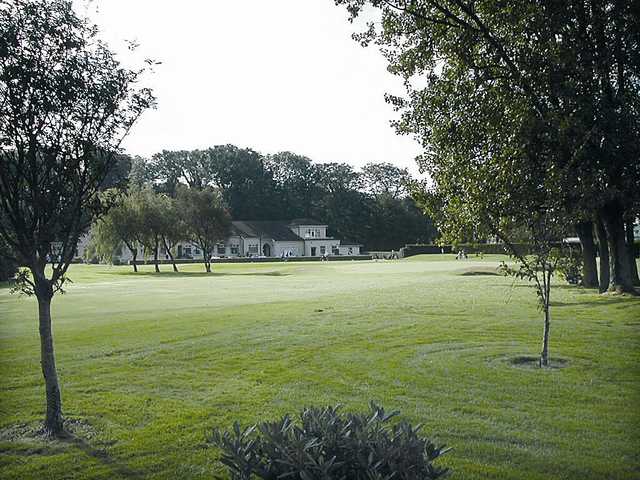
point(323, 249)
point(187, 250)
point(253, 249)
point(221, 249)
point(196, 251)
point(335, 250)
point(235, 249)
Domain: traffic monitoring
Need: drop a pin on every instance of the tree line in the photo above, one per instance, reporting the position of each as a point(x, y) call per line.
point(145, 218)
point(372, 206)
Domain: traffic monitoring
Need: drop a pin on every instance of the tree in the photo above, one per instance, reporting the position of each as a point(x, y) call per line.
point(295, 182)
point(574, 64)
point(206, 219)
point(120, 226)
point(151, 207)
point(174, 167)
point(141, 173)
point(589, 266)
point(246, 183)
point(65, 106)
point(385, 179)
point(172, 226)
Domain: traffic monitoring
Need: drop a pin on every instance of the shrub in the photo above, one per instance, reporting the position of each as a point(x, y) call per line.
point(327, 444)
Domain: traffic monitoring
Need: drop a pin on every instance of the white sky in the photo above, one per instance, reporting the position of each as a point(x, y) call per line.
point(272, 75)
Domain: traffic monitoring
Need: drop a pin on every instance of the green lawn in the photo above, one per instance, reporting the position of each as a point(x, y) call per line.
point(150, 363)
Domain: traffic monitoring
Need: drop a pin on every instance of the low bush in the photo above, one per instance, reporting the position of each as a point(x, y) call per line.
point(327, 444)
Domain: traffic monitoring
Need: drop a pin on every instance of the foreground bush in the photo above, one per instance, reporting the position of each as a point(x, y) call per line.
point(327, 444)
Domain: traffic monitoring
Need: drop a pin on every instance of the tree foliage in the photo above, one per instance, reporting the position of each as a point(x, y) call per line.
point(207, 221)
point(285, 186)
point(526, 114)
point(66, 103)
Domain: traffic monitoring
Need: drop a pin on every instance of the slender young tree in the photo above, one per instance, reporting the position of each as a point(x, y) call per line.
point(207, 220)
point(152, 222)
point(65, 106)
point(173, 227)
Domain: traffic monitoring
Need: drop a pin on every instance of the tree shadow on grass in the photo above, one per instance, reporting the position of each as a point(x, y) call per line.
point(197, 274)
point(101, 456)
point(29, 439)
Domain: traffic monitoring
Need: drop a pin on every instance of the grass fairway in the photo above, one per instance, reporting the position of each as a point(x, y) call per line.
point(150, 363)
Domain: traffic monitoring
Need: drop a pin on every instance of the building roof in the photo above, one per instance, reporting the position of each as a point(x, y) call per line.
point(269, 229)
point(305, 221)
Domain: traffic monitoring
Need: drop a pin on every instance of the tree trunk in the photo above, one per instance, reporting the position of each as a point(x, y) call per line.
point(173, 262)
point(134, 253)
point(632, 253)
point(155, 257)
point(207, 261)
point(53, 423)
point(603, 254)
point(544, 355)
point(589, 266)
point(620, 277)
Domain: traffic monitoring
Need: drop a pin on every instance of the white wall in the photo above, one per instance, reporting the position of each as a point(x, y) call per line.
point(349, 249)
point(296, 248)
point(310, 231)
point(318, 244)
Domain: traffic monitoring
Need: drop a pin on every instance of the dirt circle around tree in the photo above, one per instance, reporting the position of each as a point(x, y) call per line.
point(529, 361)
point(33, 432)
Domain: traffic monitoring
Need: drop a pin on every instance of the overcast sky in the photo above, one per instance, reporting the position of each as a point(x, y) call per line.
point(272, 75)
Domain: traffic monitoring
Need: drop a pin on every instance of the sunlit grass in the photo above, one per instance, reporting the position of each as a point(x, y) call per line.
point(149, 363)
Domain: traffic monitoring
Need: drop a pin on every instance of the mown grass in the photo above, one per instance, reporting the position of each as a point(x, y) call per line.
point(150, 363)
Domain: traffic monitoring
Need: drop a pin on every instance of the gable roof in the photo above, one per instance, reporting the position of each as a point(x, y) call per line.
point(268, 229)
point(305, 221)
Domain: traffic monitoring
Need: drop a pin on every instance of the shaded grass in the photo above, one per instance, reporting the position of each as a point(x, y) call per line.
point(152, 362)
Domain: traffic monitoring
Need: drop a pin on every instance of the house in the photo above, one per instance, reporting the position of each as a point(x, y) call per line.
point(302, 237)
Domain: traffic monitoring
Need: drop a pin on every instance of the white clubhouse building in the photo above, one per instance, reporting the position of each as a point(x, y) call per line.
point(302, 237)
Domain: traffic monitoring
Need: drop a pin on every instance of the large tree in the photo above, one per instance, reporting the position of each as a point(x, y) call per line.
point(385, 179)
point(575, 65)
point(65, 105)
